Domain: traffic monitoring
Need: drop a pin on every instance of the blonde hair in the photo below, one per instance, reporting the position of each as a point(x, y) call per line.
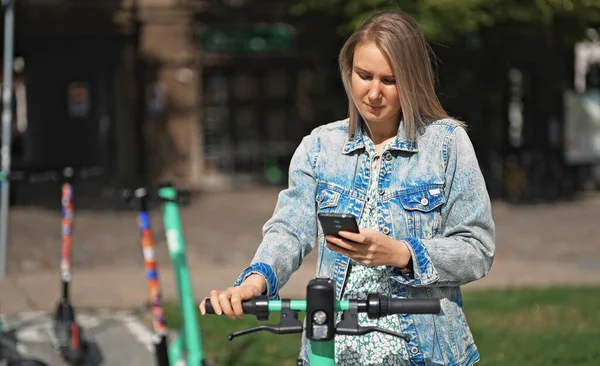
point(401, 41)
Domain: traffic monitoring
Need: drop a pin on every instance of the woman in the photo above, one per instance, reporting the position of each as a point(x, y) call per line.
point(409, 173)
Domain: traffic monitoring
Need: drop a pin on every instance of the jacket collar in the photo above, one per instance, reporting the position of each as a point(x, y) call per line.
point(401, 142)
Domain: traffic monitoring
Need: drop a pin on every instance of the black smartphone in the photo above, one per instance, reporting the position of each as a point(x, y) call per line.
point(333, 223)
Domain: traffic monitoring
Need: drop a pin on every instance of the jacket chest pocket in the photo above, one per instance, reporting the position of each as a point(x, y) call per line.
point(327, 200)
point(422, 209)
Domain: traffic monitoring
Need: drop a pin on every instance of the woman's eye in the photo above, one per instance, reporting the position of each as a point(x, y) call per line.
point(364, 76)
point(389, 81)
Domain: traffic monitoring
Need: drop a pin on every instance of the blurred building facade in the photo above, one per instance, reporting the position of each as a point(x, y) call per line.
point(216, 93)
point(201, 93)
point(100, 76)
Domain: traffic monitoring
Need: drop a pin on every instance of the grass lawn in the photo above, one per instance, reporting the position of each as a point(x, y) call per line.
point(555, 326)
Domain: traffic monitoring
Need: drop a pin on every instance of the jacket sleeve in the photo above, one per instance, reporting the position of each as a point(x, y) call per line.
point(290, 234)
point(464, 251)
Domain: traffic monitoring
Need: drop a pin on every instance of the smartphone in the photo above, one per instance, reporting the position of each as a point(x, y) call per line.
point(333, 223)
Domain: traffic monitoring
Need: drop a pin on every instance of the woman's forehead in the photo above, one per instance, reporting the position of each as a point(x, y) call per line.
point(368, 57)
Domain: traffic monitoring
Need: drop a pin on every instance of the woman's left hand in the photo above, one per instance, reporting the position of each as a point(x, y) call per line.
point(371, 248)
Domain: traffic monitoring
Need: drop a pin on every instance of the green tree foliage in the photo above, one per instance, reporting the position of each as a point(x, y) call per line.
point(444, 20)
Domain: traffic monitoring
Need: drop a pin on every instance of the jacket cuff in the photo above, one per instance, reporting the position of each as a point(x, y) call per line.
point(267, 272)
point(422, 273)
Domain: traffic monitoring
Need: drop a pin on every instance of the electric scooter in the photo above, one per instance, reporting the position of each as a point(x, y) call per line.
point(140, 198)
point(68, 336)
point(321, 309)
point(186, 346)
point(9, 354)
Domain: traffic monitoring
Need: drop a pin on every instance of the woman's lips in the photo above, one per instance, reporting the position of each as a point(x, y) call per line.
point(375, 108)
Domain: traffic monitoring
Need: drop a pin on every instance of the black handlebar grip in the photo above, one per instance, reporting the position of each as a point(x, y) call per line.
point(258, 306)
point(413, 306)
point(208, 307)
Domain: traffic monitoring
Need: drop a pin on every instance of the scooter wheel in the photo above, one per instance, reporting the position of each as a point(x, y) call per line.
point(74, 351)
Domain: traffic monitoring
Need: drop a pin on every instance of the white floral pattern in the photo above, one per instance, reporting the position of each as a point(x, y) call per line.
point(373, 348)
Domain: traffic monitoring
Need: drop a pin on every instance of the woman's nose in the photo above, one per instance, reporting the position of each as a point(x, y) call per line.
point(374, 91)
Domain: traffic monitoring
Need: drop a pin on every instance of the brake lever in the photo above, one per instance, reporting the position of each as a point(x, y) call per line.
point(289, 324)
point(269, 328)
point(138, 197)
point(131, 195)
point(349, 325)
point(183, 197)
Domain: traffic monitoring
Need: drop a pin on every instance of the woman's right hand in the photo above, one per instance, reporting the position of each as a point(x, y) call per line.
point(229, 301)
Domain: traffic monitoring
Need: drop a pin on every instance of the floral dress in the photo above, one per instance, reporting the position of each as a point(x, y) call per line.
point(374, 348)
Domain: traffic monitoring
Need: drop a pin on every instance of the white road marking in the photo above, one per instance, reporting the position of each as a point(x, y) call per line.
point(88, 320)
point(139, 331)
point(36, 327)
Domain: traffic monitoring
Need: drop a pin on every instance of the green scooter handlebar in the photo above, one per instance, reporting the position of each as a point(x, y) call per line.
point(375, 306)
point(320, 326)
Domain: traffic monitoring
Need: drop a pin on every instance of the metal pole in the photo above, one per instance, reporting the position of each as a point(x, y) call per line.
point(9, 20)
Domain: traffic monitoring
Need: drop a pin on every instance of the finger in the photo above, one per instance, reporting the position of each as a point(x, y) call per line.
point(340, 250)
point(214, 300)
point(236, 302)
point(341, 243)
point(225, 302)
point(355, 237)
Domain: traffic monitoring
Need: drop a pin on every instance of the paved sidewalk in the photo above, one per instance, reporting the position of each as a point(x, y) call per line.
point(537, 245)
point(116, 288)
point(112, 338)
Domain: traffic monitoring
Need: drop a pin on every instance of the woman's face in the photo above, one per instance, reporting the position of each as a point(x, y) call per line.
point(374, 86)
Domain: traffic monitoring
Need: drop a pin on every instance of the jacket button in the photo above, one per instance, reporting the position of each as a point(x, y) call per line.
point(424, 201)
point(414, 350)
point(388, 156)
point(386, 230)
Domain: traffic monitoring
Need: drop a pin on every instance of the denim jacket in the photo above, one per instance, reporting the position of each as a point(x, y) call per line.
point(432, 195)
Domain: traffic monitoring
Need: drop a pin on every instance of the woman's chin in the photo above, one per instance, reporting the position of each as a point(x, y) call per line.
point(376, 118)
